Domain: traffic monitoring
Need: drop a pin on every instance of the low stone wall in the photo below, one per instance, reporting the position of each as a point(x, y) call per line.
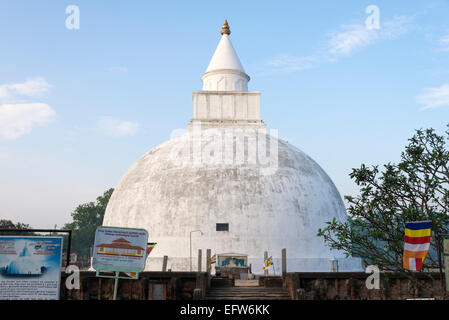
point(301, 286)
point(352, 286)
point(149, 286)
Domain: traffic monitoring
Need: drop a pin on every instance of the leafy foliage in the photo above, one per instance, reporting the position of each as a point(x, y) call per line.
point(8, 224)
point(415, 189)
point(86, 218)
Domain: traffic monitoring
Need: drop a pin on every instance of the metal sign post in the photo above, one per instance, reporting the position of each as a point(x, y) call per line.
point(116, 277)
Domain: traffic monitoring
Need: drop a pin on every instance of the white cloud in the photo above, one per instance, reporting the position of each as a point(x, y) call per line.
point(434, 97)
point(357, 36)
point(19, 119)
point(118, 69)
point(396, 27)
point(343, 42)
point(444, 43)
point(31, 88)
point(19, 116)
point(118, 128)
point(351, 38)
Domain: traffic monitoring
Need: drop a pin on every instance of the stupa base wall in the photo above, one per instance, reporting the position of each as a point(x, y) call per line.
point(179, 264)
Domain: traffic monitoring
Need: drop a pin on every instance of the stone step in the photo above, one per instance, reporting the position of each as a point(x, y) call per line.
point(277, 297)
point(247, 293)
point(248, 288)
point(246, 298)
point(251, 289)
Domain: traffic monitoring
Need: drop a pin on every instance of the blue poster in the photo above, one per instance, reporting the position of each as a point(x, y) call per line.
point(30, 267)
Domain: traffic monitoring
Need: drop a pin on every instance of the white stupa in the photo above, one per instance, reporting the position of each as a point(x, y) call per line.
point(228, 186)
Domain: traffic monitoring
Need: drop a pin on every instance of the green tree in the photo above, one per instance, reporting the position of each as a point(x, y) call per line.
point(86, 218)
point(8, 224)
point(415, 189)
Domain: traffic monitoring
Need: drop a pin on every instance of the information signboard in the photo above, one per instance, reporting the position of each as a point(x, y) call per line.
point(30, 267)
point(120, 249)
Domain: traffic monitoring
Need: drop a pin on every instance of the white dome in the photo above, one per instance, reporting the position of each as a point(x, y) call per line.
point(220, 172)
point(24, 266)
point(170, 194)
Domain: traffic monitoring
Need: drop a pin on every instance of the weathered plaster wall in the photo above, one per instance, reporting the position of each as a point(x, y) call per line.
point(352, 286)
point(175, 286)
point(170, 194)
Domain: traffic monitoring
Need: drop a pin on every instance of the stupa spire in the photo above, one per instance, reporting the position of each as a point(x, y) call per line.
point(225, 101)
point(225, 28)
point(225, 71)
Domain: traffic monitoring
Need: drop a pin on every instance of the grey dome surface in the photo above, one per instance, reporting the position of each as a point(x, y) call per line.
point(170, 194)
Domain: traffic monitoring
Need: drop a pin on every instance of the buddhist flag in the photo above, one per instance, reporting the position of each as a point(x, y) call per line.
point(213, 259)
point(416, 244)
point(131, 274)
point(150, 246)
point(268, 263)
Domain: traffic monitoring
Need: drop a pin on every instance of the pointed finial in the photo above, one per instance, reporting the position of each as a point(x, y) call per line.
point(225, 29)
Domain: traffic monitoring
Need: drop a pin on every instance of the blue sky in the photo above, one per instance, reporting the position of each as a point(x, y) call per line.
point(79, 107)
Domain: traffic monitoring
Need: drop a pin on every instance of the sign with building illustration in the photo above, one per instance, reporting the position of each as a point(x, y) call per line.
point(120, 249)
point(30, 267)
